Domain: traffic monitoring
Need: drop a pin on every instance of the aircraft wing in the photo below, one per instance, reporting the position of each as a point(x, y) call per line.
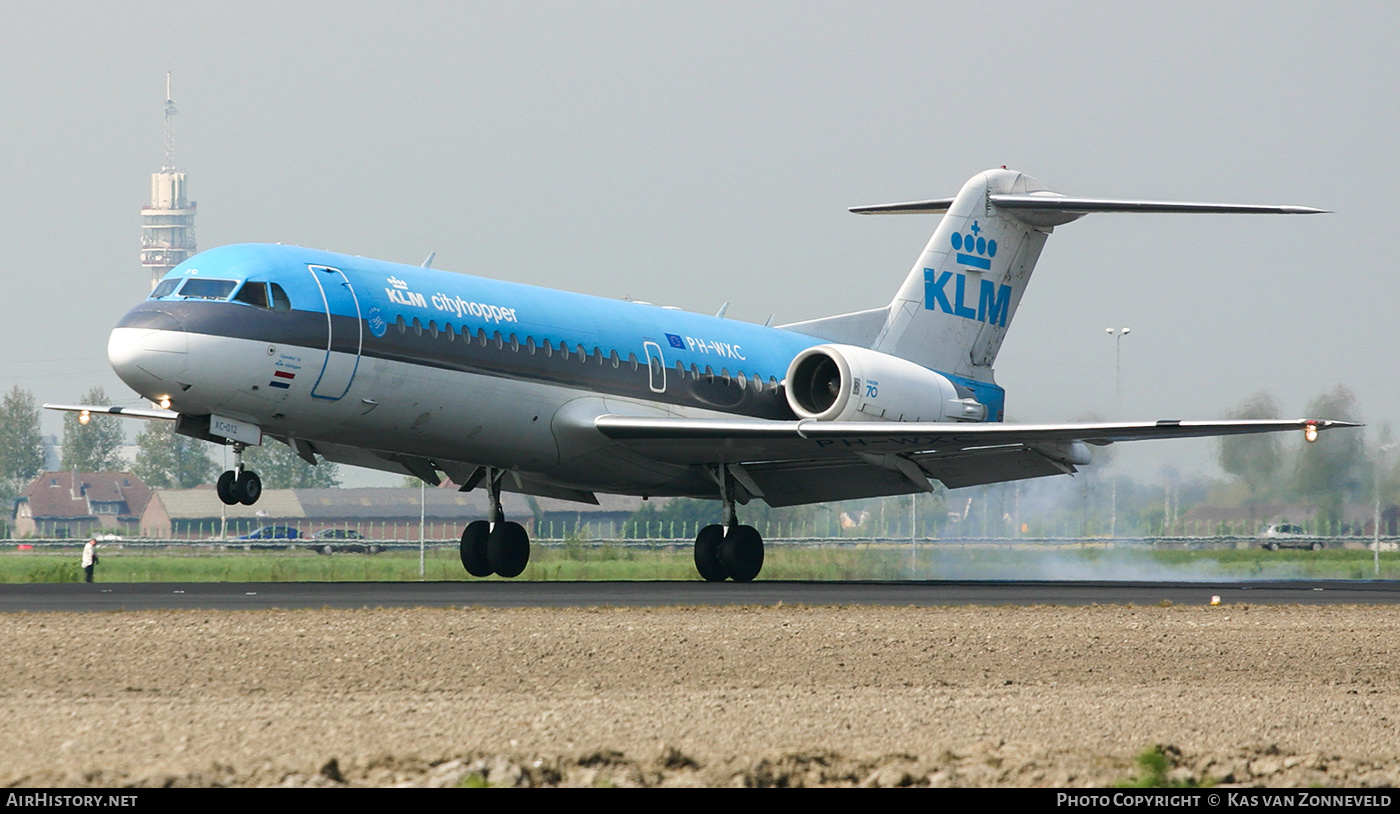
point(790, 436)
point(107, 409)
point(791, 462)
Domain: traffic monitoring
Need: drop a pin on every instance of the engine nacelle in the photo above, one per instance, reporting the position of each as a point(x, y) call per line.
point(847, 383)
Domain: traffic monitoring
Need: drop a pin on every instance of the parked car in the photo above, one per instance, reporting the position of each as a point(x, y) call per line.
point(337, 541)
point(337, 534)
point(1288, 535)
point(271, 533)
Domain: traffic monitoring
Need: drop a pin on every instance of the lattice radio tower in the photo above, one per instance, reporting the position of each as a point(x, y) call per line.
point(167, 222)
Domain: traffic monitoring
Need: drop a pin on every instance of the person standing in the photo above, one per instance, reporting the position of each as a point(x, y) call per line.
point(89, 558)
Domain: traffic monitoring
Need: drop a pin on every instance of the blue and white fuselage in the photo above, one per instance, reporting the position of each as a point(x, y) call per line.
point(406, 363)
point(519, 388)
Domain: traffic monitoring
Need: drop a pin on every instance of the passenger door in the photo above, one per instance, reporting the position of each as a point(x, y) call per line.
point(344, 333)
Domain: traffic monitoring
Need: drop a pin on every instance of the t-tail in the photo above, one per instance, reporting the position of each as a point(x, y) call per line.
point(953, 310)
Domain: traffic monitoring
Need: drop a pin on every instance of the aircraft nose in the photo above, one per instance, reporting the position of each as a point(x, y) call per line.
point(149, 356)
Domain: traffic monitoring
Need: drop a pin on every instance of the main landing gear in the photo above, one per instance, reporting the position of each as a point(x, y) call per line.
point(239, 485)
point(728, 551)
point(495, 546)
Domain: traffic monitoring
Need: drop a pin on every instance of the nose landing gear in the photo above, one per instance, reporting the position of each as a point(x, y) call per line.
point(239, 485)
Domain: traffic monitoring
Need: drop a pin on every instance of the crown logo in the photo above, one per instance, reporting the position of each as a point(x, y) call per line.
point(973, 249)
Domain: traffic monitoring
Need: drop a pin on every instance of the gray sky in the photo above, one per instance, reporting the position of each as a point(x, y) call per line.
point(690, 154)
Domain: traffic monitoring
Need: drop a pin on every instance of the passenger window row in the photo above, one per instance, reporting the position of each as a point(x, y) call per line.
point(549, 349)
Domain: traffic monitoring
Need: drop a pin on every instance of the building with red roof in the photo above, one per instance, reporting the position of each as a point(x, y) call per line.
point(79, 504)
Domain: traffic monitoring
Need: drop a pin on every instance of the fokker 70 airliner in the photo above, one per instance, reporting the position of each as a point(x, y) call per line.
point(518, 388)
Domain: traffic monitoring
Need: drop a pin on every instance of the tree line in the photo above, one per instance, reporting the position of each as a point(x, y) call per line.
point(1341, 467)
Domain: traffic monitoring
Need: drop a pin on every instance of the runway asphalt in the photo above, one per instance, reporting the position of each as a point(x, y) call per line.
point(97, 597)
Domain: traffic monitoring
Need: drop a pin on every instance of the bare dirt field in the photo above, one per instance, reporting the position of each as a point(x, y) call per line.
point(1277, 696)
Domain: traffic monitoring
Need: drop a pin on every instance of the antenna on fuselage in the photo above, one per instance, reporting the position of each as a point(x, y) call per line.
point(429, 262)
point(722, 309)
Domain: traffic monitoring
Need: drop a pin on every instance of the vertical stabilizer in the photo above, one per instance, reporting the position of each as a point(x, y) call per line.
point(953, 310)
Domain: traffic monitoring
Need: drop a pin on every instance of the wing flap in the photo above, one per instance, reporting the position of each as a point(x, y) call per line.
point(792, 483)
point(974, 468)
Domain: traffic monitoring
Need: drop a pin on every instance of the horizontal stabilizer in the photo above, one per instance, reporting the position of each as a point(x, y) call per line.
point(1084, 206)
point(1045, 209)
point(937, 206)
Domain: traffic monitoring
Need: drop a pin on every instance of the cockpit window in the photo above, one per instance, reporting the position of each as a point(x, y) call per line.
point(205, 289)
point(279, 298)
point(164, 289)
point(253, 294)
point(264, 295)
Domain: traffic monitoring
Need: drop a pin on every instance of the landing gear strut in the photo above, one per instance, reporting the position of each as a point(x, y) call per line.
point(239, 485)
point(728, 551)
point(495, 546)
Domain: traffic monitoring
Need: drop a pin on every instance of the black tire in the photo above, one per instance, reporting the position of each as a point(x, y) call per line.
point(1316, 546)
point(474, 549)
point(225, 488)
point(508, 549)
point(741, 553)
point(707, 544)
point(248, 487)
point(1272, 546)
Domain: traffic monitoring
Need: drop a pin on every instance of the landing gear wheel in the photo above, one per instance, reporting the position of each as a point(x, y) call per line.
point(248, 487)
point(508, 549)
point(225, 486)
point(707, 545)
point(742, 553)
point(474, 549)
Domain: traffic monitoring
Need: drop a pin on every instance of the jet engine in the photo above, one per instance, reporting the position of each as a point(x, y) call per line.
point(847, 383)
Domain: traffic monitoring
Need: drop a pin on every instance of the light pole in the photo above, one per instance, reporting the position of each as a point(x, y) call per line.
point(1376, 487)
point(1117, 334)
